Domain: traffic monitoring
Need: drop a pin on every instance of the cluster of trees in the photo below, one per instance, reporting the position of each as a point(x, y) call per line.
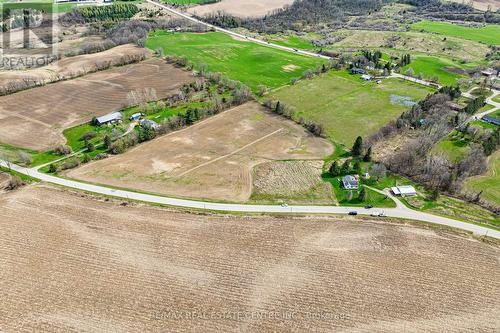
point(214, 104)
point(492, 143)
point(301, 13)
point(358, 150)
point(223, 20)
point(288, 112)
point(370, 60)
point(405, 60)
point(452, 91)
point(114, 12)
point(474, 105)
point(346, 168)
point(427, 123)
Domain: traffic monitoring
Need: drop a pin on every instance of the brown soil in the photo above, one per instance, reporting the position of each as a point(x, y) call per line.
point(73, 66)
point(212, 159)
point(71, 263)
point(35, 118)
point(483, 4)
point(241, 8)
point(291, 181)
point(4, 180)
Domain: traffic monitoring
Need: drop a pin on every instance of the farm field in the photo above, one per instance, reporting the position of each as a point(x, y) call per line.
point(342, 102)
point(489, 34)
point(212, 159)
point(71, 261)
point(36, 118)
point(413, 42)
point(248, 62)
point(483, 4)
point(73, 66)
point(489, 184)
point(445, 70)
point(240, 8)
point(291, 182)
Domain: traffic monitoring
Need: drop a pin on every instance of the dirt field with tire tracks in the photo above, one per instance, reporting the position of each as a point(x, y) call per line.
point(69, 262)
point(35, 118)
point(212, 159)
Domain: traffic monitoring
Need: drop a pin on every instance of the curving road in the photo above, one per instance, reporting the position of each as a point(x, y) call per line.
point(235, 34)
point(400, 211)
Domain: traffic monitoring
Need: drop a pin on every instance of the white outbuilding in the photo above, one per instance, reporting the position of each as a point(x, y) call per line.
point(404, 191)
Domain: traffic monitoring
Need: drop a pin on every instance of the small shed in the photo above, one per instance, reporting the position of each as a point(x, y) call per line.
point(136, 116)
point(366, 77)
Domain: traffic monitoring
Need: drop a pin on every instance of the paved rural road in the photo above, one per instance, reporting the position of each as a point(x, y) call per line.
point(400, 211)
point(234, 34)
point(489, 100)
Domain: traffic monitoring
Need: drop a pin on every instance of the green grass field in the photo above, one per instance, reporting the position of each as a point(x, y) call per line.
point(489, 183)
point(291, 41)
point(454, 148)
point(250, 63)
point(489, 34)
point(346, 106)
point(431, 66)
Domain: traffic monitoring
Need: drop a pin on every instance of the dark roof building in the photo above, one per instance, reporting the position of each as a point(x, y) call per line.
point(491, 120)
point(355, 70)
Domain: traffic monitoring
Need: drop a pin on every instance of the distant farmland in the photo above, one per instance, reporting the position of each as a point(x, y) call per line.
point(489, 34)
point(346, 106)
point(241, 8)
point(36, 118)
point(248, 62)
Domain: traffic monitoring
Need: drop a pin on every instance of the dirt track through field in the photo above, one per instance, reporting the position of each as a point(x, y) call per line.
point(71, 263)
point(230, 154)
point(36, 118)
point(212, 159)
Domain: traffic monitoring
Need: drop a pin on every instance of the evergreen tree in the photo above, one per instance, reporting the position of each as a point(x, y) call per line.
point(335, 169)
point(357, 168)
point(107, 141)
point(368, 155)
point(357, 148)
point(345, 168)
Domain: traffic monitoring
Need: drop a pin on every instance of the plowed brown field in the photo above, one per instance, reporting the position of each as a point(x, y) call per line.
point(70, 263)
point(212, 159)
point(73, 66)
point(35, 118)
point(241, 8)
